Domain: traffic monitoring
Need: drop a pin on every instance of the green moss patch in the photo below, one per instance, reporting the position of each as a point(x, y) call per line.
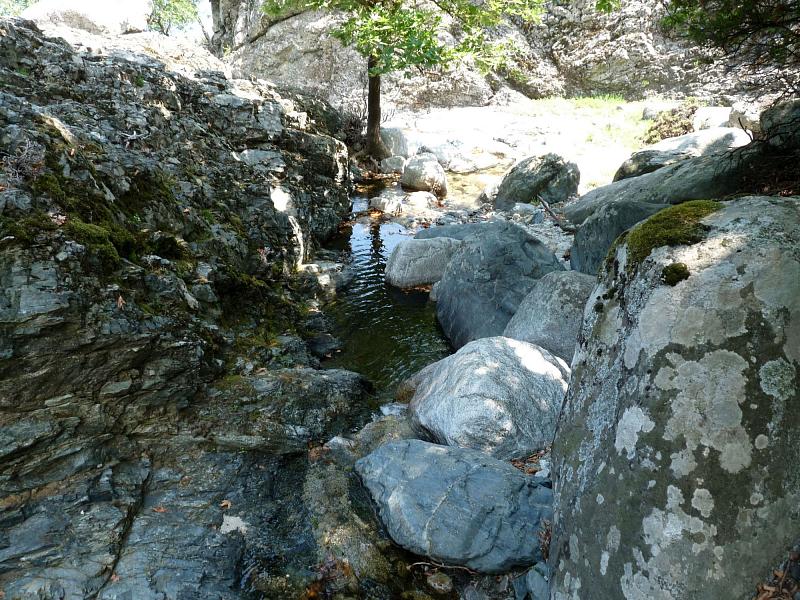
point(674, 226)
point(675, 273)
point(97, 241)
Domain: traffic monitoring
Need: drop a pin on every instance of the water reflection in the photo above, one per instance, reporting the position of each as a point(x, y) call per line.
point(388, 334)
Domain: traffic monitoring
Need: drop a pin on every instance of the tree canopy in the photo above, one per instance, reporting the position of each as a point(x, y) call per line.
point(11, 8)
point(762, 37)
point(167, 14)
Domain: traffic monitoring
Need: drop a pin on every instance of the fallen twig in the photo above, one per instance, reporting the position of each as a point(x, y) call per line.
point(558, 219)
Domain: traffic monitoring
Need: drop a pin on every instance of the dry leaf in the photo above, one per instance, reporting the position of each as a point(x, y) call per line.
point(114, 578)
point(121, 302)
point(159, 509)
point(225, 504)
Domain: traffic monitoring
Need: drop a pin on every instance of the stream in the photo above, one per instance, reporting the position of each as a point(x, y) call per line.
point(388, 334)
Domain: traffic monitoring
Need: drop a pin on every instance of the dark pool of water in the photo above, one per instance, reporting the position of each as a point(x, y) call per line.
point(388, 334)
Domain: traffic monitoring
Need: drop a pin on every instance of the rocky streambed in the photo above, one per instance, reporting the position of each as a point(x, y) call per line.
point(176, 421)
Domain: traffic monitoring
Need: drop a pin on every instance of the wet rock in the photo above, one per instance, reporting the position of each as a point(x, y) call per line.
point(419, 262)
point(497, 395)
point(423, 172)
point(548, 177)
point(675, 451)
point(551, 314)
point(487, 278)
point(456, 505)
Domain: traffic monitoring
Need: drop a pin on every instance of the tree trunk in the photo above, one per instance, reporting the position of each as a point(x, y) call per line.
point(375, 146)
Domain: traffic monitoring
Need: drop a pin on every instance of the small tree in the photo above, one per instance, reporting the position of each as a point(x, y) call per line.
point(167, 14)
point(762, 37)
point(398, 35)
point(11, 8)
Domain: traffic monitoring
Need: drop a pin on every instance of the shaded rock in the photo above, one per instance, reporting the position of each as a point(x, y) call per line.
point(423, 172)
point(671, 150)
point(676, 452)
point(419, 262)
point(604, 213)
point(456, 505)
point(538, 582)
point(551, 314)
point(780, 125)
point(549, 177)
point(497, 395)
point(94, 16)
point(487, 278)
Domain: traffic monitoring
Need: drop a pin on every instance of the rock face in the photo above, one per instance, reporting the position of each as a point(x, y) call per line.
point(676, 451)
point(94, 16)
point(551, 314)
point(671, 150)
point(497, 395)
point(423, 172)
point(487, 278)
point(604, 213)
point(149, 220)
point(576, 50)
point(456, 505)
point(548, 177)
point(420, 262)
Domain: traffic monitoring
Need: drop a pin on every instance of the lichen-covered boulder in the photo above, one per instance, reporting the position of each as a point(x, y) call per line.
point(605, 212)
point(497, 395)
point(423, 172)
point(487, 278)
point(419, 262)
point(548, 177)
point(676, 452)
point(457, 505)
point(551, 314)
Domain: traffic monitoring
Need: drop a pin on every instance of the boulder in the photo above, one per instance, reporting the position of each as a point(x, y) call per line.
point(780, 125)
point(672, 150)
point(420, 200)
point(95, 16)
point(604, 213)
point(551, 314)
point(708, 117)
point(497, 395)
point(393, 164)
point(456, 505)
point(387, 204)
point(548, 177)
point(487, 278)
point(676, 452)
point(419, 262)
point(423, 172)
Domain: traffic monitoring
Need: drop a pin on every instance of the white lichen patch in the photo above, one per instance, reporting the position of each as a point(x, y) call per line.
point(703, 501)
point(634, 421)
point(231, 524)
point(706, 410)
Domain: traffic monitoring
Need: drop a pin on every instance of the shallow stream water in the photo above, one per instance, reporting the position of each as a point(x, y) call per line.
point(388, 334)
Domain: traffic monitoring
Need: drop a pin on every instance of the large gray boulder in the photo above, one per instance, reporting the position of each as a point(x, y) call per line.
point(548, 177)
point(780, 124)
point(95, 16)
point(497, 395)
point(487, 278)
point(456, 505)
point(419, 262)
point(676, 453)
point(423, 172)
point(604, 213)
point(551, 314)
point(671, 150)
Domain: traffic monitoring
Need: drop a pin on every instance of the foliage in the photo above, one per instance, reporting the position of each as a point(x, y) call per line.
point(671, 123)
point(762, 37)
point(172, 13)
point(400, 36)
point(11, 8)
